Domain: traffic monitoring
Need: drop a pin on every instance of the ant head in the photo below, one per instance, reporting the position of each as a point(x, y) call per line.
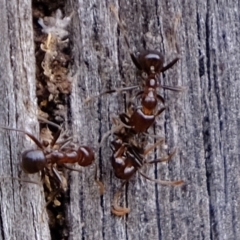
point(150, 61)
point(33, 161)
point(86, 156)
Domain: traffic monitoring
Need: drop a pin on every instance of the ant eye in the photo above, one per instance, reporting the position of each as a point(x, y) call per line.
point(144, 75)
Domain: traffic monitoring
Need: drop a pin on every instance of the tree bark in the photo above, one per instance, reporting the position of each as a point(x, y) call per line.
point(202, 122)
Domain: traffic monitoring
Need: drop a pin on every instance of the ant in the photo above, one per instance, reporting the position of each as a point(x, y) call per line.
point(39, 160)
point(151, 63)
point(128, 157)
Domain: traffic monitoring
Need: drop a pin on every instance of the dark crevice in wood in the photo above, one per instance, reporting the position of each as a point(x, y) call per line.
point(1, 222)
point(10, 155)
point(157, 193)
point(207, 149)
point(156, 6)
point(158, 212)
point(100, 163)
point(81, 207)
point(34, 223)
point(119, 55)
point(104, 218)
point(100, 160)
point(201, 68)
point(206, 126)
point(144, 27)
point(127, 204)
point(53, 93)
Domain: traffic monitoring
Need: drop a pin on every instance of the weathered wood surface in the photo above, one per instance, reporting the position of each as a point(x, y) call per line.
point(202, 122)
point(21, 203)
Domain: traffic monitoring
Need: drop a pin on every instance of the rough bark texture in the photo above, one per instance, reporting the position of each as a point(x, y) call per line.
point(202, 122)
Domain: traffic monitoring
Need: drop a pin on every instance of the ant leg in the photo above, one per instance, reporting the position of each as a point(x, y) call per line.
point(56, 136)
point(57, 175)
point(169, 65)
point(112, 131)
point(71, 169)
point(117, 90)
point(175, 89)
point(21, 180)
point(36, 141)
point(48, 122)
point(159, 111)
point(161, 141)
point(160, 98)
point(116, 209)
point(162, 182)
point(124, 118)
point(163, 159)
point(65, 143)
point(134, 59)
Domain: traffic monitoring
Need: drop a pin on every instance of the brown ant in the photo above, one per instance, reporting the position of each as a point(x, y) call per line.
point(38, 160)
point(127, 159)
point(150, 62)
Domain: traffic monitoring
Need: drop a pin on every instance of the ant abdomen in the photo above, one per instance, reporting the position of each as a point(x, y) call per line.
point(33, 161)
point(85, 156)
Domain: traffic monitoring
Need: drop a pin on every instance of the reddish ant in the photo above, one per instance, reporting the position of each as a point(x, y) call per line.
point(150, 62)
point(38, 160)
point(127, 159)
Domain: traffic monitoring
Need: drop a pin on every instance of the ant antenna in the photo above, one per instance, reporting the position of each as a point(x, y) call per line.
point(162, 182)
point(21, 180)
point(36, 141)
point(135, 61)
point(163, 159)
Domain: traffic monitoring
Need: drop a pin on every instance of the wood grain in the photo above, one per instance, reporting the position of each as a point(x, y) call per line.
point(22, 214)
point(202, 122)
